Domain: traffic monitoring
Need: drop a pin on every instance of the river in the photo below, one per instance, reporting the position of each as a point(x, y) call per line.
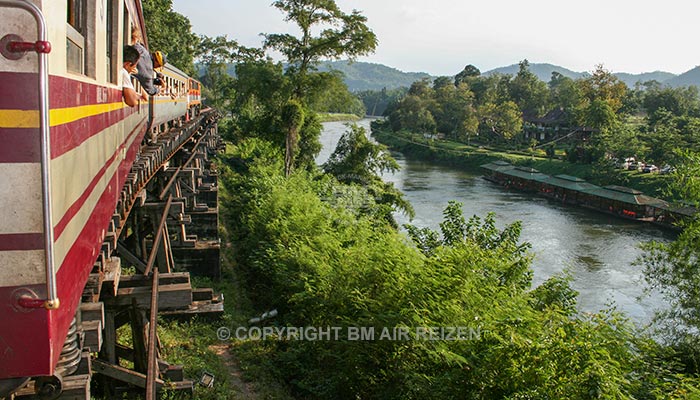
point(599, 251)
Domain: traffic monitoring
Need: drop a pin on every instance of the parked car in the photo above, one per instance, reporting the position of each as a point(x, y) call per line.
point(667, 169)
point(625, 163)
point(649, 168)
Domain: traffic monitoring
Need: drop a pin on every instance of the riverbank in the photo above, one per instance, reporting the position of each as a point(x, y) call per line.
point(470, 158)
point(332, 117)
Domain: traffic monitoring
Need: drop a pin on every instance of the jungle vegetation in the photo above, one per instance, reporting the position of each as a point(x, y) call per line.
point(320, 246)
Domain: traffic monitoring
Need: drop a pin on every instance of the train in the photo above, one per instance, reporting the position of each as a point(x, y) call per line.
point(68, 144)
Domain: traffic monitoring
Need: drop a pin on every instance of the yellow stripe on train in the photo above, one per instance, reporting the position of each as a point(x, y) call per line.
point(58, 116)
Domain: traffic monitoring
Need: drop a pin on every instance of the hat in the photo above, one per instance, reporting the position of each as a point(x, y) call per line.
point(159, 58)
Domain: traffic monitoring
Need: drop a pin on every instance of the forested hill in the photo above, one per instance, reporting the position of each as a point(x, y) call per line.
point(544, 72)
point(369, 76)
point(689, 78)
point(659, 76)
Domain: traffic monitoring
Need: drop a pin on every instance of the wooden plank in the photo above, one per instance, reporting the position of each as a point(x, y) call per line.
point(91, 292)
point(93, 312)
point(76, 387)
point(174, 373)
point(164, 279)
point(93, 335)
point(171, 297)
point(202, 294)
point(113, 272)
point(198, 308)
point(85, 366)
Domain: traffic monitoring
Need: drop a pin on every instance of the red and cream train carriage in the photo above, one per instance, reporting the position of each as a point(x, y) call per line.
point(67, 142)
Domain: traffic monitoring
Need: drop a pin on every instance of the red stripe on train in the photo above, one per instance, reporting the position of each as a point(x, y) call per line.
point(21, 241)
point(20, 145)
point(20, 91)
point(23, 92)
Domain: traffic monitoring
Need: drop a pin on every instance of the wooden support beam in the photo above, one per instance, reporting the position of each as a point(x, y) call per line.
point(108, 352)
point(122, 374)
point(130, 257)
point(138, 336)
point(159, 236)
point(152, 356)
point(171, 297)
point(74, 387)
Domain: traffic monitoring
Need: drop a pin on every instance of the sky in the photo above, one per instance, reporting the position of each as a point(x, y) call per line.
point(440, 37)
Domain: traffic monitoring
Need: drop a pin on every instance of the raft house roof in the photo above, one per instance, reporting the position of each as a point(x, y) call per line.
point(498, 166)
point(568, 182)
point(685, 210)
point(626, 195)
point(525, 173)
point(612, 192)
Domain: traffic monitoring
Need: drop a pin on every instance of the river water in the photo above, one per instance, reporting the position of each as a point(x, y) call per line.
point(598, 250)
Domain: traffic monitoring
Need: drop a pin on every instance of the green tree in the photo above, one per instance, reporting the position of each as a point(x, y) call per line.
point(455, 113)
point(357, 160)
point(171, 33)
point(292, 115)
point(678, 101)
point(341, 35)
point(412, 114)
point(467, 75)
point(377, 102)
point(603, 96)
point(528, 91)
point(336, 98)
point(503, 120)
point(565, 93)
point(674, 269)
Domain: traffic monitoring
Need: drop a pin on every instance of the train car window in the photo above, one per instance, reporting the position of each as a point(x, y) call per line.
point(127, 27)
point(80, 37)
point(75, 32)
point(112, 43)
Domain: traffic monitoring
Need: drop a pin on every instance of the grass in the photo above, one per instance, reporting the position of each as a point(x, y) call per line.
point(332, 117)
point(238, 367)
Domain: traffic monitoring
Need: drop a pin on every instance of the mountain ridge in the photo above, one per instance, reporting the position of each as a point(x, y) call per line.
point(360, 75)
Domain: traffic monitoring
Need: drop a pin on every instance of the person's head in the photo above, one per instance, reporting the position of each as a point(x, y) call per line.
point(131, 58)
point(159, 59)
point(135, 34)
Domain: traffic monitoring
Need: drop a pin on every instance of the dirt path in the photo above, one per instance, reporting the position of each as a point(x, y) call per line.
point(243, 389)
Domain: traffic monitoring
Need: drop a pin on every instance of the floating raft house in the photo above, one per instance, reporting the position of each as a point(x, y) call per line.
point(617, 200)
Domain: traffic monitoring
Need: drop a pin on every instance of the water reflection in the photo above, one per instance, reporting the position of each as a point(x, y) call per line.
point(598, 250)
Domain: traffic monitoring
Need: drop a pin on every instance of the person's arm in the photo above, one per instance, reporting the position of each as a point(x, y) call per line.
point(131, 98)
